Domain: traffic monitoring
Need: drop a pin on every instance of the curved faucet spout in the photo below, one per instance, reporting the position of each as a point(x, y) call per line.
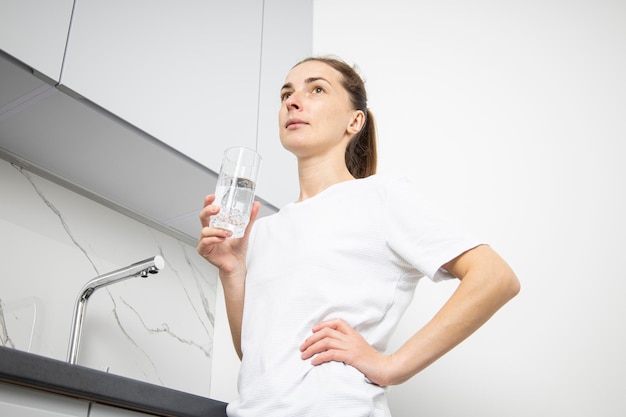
point(140, 269)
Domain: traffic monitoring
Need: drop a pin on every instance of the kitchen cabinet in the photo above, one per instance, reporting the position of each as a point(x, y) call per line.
point(150, 94)
point(35, 32)
point(100, 410)
point(287, 39)
point(36, 386)
point(198, 76)
point(17, 401)
point(185, 72)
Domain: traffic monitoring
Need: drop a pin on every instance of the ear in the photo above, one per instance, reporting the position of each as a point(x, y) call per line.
point(357, 122)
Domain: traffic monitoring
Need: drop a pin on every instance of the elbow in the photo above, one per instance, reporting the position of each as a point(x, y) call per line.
point(500, 280)
point(514, 285)
point(509, 284)
point(506, 282)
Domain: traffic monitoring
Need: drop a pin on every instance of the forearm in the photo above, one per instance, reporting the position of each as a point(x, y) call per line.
point(229, 257)
point(234, 290)
point(480, 294)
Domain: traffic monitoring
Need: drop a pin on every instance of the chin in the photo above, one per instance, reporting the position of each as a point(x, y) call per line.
point(293, 142)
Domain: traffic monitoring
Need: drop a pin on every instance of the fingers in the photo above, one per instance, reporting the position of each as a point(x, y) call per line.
point(321, 340)
point(214, 234)
point(330, 341)
point(324, 347)
point(256, 206)
point(336, 324)
point(332, 355)
point(209, 199)
point(209, 236)
point(336, 341)
point(211, 241)
point(208, 210)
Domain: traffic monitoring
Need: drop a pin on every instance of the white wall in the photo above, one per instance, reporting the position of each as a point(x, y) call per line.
point(512, 115)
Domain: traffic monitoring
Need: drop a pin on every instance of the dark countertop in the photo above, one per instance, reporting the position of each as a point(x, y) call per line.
point(34, 371)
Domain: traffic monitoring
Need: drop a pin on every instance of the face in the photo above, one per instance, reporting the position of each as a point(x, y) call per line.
point(316, 115)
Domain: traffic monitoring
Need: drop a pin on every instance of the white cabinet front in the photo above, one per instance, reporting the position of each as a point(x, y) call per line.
point(100, 410)
point(185, 72)
point(16, 401)
point(35, 32)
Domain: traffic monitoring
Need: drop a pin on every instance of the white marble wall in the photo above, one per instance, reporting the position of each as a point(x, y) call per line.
point(52, 241)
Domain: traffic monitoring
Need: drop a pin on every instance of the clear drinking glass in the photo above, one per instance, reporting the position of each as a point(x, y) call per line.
point(234, 193)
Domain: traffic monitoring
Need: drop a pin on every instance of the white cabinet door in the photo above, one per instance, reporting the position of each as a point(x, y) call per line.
point(287, 39)
point(16, 401)
point(186, 72)
point(35, 32)
point(100, 410)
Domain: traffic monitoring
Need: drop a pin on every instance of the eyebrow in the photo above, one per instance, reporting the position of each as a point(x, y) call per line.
point(307, 81)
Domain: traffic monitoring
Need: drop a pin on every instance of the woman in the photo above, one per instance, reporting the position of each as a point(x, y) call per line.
point(314, 292)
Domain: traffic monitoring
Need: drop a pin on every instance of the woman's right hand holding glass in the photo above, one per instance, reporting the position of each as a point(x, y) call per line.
point(228, 255)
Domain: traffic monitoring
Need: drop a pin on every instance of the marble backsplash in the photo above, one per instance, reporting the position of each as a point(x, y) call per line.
point(157, 329)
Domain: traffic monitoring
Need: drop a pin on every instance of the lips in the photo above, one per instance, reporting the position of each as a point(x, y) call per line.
point(294, 123)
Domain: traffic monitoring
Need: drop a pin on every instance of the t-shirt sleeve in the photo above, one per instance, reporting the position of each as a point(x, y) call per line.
point(418, 234)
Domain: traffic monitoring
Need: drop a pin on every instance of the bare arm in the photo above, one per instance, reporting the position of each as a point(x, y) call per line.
point(234, 290)
point(487, 283)
point(229, 256)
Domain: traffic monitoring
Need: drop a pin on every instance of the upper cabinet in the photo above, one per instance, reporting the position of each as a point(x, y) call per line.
point(185, 72)
point(287, 39)
point(200, 76)
point(35, 32)
point(143, 97)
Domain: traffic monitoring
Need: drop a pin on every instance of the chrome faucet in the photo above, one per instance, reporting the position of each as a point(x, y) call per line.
point(141, 269)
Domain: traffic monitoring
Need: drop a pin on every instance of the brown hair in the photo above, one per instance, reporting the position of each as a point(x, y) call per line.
point(361, 154)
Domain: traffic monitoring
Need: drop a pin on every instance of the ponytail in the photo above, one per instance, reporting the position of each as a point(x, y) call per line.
point(361, 153)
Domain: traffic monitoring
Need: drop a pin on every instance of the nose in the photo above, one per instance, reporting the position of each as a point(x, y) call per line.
point(293, 101)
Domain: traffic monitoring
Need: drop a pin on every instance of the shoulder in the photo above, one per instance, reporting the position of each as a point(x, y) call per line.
point(384, 181)
point(384, 185)
point(383, 178)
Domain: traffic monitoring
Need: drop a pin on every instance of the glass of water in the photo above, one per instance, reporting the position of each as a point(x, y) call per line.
point(234, 193)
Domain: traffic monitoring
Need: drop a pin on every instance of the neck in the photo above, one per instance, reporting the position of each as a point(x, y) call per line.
point(316, 175)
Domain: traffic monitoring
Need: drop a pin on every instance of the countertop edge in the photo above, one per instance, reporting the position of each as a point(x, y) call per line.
point(40, 372)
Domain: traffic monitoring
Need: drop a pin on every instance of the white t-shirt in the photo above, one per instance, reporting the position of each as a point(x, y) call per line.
point(354, 251)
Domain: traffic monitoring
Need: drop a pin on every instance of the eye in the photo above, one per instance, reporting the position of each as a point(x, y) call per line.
point(285, 95)
point(318, 90)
